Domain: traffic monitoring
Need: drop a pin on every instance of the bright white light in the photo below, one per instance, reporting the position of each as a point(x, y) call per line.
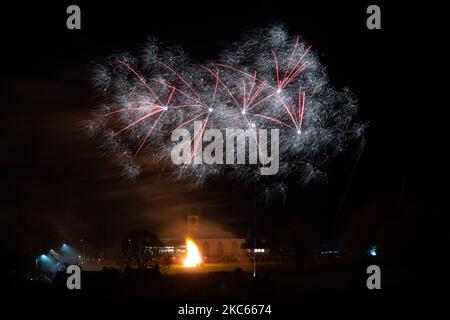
point(210, 109)
point(166, 108)
point(299, 131)
point(243, 112)
point(193, 257)
point(279, 91)
point(253, 125)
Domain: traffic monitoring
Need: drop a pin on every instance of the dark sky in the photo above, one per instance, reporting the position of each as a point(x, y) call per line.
point(58, 186)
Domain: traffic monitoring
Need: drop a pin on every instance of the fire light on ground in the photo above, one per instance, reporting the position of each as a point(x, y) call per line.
point(193, 257)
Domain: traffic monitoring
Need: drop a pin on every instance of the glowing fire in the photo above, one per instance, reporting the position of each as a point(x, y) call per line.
point(193, 257)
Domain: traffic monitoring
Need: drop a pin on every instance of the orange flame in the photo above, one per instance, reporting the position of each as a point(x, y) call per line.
point(193, 257)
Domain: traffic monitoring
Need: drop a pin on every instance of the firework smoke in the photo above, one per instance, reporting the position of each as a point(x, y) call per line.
point(267, 80)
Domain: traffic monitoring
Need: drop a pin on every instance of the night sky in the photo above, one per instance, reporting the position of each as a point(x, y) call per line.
point(57, 185)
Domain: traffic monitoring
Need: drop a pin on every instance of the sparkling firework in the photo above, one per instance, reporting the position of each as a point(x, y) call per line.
point(267, 80)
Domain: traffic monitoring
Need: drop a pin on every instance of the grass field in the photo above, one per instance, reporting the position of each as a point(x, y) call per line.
point(221, 267)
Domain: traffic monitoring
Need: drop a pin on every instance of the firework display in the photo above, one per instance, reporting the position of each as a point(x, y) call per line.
point(268, 80)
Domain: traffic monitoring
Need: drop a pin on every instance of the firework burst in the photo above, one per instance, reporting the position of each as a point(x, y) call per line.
point(267, 80)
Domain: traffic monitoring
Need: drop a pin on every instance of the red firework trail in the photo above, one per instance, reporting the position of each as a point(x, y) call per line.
point(140, 78)
point(266, 81)
point(252, 96)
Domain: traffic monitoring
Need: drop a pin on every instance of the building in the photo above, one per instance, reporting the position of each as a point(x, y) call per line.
point(259, 247)
point(213, 245)
point(220, 247)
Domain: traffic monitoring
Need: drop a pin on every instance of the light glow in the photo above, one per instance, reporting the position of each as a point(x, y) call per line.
point(193, 257)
